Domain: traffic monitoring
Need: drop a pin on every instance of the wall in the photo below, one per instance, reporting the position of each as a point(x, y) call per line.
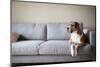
point(48, 13)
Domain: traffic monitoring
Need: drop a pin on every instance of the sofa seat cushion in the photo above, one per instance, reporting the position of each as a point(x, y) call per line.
point(29, 47)
point(55, 47)
point(87, 49)
point(60, 47)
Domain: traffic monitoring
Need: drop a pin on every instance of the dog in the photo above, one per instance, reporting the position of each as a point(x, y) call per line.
point(77, 39)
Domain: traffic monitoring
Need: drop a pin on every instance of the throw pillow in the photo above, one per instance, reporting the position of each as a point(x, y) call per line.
point(14, 36)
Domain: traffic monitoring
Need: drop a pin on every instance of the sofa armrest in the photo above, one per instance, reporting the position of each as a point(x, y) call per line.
point(92, 38)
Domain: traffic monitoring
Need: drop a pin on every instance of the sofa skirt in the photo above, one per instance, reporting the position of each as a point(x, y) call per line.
point(49, 59)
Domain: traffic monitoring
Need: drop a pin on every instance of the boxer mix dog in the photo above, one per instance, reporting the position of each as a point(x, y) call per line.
point(77, 39)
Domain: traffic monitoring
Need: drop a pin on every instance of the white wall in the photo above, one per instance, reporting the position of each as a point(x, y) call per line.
point(49, 13)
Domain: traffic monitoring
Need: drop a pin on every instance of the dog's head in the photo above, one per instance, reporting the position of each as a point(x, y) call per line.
point(74, 26)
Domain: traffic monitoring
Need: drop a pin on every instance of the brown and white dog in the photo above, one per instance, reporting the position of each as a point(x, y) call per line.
point(77, 39)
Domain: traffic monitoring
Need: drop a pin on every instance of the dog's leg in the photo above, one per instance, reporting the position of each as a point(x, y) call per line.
point(72, 50)
point(75, 50)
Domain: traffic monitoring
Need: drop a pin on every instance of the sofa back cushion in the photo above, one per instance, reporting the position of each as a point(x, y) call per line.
point(30, 30)
point(57, 31)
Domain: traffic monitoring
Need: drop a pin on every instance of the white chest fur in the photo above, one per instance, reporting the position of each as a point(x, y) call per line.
point(75, 37)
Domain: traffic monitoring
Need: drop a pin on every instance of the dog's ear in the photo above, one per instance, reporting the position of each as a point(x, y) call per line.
point(71, 30)
point(76, 24)
point(81, 26)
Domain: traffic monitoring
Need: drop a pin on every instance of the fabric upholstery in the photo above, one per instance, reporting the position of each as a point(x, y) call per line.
point(49, 59)
point(60, 47)
point(85, 50)
point(55, 47)
point(92, 38)
point(30, 30)
point(57, 31)
point(30, 47)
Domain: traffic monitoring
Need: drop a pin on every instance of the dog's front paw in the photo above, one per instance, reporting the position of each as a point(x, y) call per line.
point(73, 55)
point(73, 50)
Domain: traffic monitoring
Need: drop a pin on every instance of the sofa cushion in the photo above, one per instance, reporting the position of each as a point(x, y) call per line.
point(30, 30)
point(55, 47)
point(60, 47)
point(85, 50)
point(57, 31)
point(26, 47)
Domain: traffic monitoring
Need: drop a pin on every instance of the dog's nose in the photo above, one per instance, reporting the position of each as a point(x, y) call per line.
point(67, 28)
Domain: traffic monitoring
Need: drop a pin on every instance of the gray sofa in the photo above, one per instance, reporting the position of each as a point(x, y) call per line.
point(47, 43)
